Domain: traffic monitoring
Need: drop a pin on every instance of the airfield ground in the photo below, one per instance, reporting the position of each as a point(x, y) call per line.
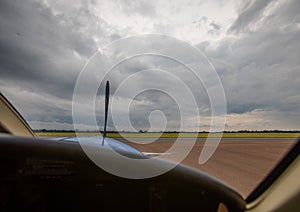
point(174, 135)
point(241, 164)
point(241, 160)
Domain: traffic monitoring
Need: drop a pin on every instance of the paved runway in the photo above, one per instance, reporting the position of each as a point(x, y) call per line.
point(242, 163)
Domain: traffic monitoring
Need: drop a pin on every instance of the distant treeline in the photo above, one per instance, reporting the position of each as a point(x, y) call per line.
point(141, 131)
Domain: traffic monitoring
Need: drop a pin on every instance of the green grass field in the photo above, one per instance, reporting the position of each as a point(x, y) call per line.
point(173, 135)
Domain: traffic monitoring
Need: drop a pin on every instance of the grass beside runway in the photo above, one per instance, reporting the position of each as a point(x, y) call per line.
point(173, 135)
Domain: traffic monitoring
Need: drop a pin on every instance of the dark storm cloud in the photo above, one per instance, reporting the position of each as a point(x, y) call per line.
point(38, 50)
point(42, 53)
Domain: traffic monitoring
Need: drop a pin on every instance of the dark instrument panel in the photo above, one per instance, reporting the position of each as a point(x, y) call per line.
point(42, 175)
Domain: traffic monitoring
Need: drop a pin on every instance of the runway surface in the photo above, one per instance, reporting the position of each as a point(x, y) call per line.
point(241, 163)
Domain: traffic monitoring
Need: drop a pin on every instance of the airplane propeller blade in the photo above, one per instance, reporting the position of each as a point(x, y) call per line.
point(106, 109)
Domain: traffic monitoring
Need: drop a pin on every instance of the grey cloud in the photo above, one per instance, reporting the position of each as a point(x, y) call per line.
point(286, 16)
point(215, 28)
point(127, 68)
point(43, 53)
point(43, 48)
point(201, 22)
point(141, 7)
point(249, 14)
point(115, 37)
point(203, 46)
point(259, 69)
point(154, 100)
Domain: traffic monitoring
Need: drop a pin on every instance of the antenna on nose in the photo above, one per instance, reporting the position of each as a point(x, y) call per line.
point(106, 109)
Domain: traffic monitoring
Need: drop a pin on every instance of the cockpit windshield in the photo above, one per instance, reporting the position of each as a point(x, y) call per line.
point(213, 85)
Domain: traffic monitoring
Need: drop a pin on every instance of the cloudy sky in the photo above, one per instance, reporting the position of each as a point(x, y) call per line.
point(254, 47)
